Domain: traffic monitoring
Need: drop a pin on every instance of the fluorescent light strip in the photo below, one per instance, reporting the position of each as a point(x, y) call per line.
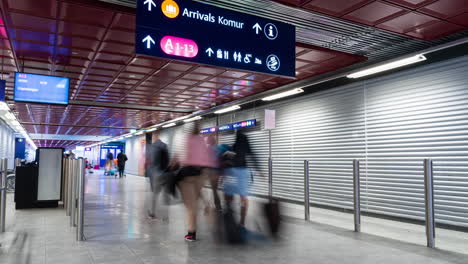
point(387, 66)
point(152, 129)
point(169, 125)
point(283, 94)
point(228, 109)
point(129, 136)
point(193, 119)
point(140, 133)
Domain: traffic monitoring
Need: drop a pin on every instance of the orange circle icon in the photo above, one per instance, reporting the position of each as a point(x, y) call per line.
point(170, 8)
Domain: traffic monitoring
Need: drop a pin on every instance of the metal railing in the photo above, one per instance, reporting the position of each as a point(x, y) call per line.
point(73, 194)
point(3, 191)
point(428, 197)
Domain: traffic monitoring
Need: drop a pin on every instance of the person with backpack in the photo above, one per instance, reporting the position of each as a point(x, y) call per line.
point(158, 163)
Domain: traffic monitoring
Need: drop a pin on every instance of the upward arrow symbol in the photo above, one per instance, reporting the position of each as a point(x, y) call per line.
point(148, 41)
point(210, 52)
point(149, 3)
point(257, 28)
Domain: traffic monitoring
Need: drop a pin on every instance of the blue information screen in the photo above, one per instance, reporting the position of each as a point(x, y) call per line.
point(200, 33)
point(35, 88)
point(2, 90)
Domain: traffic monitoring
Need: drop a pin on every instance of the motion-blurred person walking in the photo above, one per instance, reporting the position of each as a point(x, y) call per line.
point(237, 177)
point(214, 173)
point(198, 157)
point(121, 159)
point(158, 163)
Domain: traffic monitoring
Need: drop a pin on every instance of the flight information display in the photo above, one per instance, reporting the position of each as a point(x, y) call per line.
point(35, 88)
point(191, 31)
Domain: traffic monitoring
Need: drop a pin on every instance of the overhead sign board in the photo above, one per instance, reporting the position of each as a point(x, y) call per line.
point(200, 33)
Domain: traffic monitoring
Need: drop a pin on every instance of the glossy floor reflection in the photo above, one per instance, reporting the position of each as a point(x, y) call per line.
point(118, 231)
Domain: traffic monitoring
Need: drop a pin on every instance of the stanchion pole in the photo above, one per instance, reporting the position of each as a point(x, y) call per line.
point(3, 191)
point(306, 190)
point(73, 192)
point(270, 177)
point(81, 189)
point(69, 185)
point(357, 196)
point(429, 203)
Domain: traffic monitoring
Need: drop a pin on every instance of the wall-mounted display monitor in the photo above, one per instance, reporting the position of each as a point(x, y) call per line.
point(35, 88)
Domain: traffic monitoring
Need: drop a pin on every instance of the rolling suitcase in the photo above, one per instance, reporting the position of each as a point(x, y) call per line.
point(271, 211)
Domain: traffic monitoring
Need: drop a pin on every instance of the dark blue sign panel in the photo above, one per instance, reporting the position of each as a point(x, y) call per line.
point(225, 127)
point(2, 90)
point(237, 125)
point(243, 124)
point(200, 33)
point(208, 130)
point(35, 88)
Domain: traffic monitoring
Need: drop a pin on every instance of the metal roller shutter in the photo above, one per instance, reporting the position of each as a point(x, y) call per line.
point(391, 124)
point(422, 113)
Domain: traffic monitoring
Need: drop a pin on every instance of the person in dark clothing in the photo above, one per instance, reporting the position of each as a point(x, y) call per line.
point(121, 159)
point(237, 175)
point(158, 157)
point(110, 156)
point(109, 163)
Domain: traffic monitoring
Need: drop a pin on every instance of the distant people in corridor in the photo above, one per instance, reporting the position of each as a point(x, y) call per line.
point(198, 157)
point(109, 163)
point(121, 159)
point(158, 159)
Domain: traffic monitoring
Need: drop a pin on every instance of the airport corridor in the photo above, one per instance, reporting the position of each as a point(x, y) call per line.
point(118, 231)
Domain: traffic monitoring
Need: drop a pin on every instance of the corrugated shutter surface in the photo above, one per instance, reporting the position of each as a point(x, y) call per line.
point(412, 116)
point(391, 124)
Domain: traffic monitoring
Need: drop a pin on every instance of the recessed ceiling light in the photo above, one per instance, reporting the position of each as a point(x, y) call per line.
point(75, 53)
point(132, 76)
point(236, 93)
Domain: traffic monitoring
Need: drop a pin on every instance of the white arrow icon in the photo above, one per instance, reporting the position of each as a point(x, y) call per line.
point(257, 28)
point(149, 3)
point(148, 41)
point(210, 52)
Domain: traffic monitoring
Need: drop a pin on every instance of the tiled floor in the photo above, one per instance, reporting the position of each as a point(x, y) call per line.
point(118, 231)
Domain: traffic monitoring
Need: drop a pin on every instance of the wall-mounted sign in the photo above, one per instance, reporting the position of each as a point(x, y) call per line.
point(237, 125)
point(225, 127)
point(200, 33)
point(244, 124)
point(270, 119)
point(208, 130)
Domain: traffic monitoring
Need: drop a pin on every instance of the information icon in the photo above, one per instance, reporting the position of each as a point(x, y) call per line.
point(271, 32)
point(273, 63)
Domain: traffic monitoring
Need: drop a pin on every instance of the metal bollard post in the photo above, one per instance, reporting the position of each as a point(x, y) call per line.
point(73, 193)
point(357, 197)
point(429, 202)
point(270, 177)
point(69, 185)
point(3, 186)
point(81, 189)
point(306, 190)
